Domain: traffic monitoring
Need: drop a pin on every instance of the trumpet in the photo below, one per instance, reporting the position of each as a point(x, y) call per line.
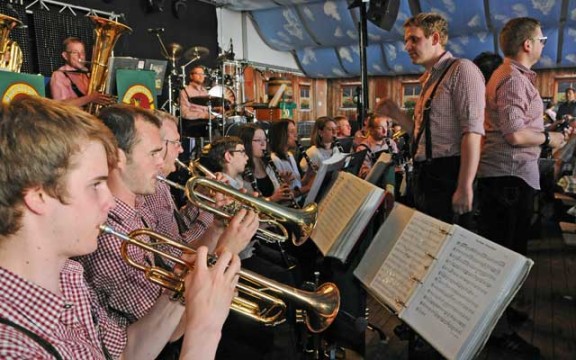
point(261, 300)
point(299, 222)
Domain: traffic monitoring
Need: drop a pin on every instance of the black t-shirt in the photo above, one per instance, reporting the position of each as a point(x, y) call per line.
point(265, 186)
point(566, 108)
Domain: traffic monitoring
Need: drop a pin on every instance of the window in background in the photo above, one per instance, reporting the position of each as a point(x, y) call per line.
point(348, 95)
point(305, 97)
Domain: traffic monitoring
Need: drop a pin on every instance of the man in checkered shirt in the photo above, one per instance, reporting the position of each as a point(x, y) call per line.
point(122, 289)
point(51, 210)
point(447, 155)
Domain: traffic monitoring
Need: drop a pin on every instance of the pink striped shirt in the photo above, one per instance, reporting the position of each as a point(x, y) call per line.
point(457, 107)
point(513, 103)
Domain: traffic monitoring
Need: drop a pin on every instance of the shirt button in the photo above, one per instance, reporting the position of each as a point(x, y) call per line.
point(68, 306)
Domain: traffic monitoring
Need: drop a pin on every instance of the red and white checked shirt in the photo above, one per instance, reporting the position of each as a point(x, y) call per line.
point(457, 107)
point(122, 289)
point(513, 103)
point(73, 323)
point(162, 209)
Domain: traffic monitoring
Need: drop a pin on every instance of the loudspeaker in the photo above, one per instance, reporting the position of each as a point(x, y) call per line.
point(383, 13)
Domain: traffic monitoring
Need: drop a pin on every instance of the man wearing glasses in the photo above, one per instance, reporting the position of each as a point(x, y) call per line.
point(376, 142)
point(508, 174)
point(194, 88)
point(70, 82)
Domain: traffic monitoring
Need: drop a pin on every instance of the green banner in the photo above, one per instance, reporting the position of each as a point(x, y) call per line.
point(136, 87)
point(13, 84)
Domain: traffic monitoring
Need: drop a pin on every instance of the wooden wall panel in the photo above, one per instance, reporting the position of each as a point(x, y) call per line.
point(326, 93)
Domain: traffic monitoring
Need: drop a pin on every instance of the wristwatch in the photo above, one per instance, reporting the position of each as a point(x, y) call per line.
point(546, 138)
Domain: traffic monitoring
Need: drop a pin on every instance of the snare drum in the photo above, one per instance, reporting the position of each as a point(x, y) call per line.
point(233, 129)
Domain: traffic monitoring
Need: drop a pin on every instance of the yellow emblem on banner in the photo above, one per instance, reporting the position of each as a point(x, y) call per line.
point(17, 89)
point(139, 96)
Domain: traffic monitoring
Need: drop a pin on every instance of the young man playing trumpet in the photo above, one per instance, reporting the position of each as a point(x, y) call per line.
point(124, 290)
point(51, 210)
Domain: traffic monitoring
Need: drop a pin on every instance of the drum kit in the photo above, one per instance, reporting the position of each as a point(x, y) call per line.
point(225, 87)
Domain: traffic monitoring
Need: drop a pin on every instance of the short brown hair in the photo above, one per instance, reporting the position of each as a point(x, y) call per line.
point(38, 138)
point(70, 40)
point(515, 32)
point(213, 154)
point(121, 119)
point(430, 23)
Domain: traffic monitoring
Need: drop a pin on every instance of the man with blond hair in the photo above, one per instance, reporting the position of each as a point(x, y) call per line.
point(449, 117)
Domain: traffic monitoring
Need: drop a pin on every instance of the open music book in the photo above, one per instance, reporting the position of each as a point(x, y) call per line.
point(344, 213)
point(324, 176)
point(447, 283)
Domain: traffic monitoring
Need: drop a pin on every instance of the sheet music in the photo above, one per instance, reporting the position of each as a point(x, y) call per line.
point(471, 274)
point(409, 259)
point(337, 208)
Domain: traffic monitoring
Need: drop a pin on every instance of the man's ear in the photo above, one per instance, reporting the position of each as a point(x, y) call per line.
point(435, 38)
point(122, 159)
point(35, 200)
point(227, 157)
point(64, 56)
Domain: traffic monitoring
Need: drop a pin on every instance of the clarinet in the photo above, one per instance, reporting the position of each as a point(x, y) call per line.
point(268, 160)
point(249, 175)
point(336, 145)
point(311, 165)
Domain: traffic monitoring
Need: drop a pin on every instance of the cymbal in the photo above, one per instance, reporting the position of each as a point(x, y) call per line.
point(174, 52)
point(204, 100)
point(196, 52)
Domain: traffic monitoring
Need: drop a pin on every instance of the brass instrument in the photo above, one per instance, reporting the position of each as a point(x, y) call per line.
point(263, 301)
point(10, 53)
point(397, 135)
point(298, 222)
point(107, 33)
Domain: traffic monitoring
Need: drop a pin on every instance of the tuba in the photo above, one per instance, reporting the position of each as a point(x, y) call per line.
point(107, 33)
point(10, 52)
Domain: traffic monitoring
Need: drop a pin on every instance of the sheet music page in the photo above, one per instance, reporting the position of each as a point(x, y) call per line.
point(409, 259)
point(337, 208)
point(467, 286)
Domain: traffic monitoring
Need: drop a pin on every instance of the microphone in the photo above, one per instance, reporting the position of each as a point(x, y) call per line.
point(156, 30)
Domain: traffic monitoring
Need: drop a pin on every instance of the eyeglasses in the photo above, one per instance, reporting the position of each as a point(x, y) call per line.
point(333, 129)
point(200, 74)
point(77, 53)
point(542, 39)
point(176, 143)
point(261, 141)
point(243, 151)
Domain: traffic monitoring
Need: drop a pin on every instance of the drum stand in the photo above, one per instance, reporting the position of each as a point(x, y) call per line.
point(209, 104)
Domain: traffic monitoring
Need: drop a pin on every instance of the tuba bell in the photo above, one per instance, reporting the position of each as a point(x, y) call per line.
point(10, 52)
point(107, 33)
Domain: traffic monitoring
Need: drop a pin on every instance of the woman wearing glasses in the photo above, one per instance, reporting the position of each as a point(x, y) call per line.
point(258, 172)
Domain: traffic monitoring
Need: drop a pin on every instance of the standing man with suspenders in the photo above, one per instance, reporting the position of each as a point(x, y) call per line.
point(447, 129)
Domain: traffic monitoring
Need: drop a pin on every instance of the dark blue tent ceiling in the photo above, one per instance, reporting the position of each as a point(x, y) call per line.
point(323, 35)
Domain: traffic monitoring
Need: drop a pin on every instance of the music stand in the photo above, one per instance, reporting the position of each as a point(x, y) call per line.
point(355, 162)
point(115, 63)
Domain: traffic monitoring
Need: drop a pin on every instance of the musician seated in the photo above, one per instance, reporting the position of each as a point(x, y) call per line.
point(323, 144)
point(189, 224)
point(70, 82)
point(195, 87)
point(51, 210)
point(244, 338)
point(344, 130)
point(283, 136)
point(376, 141)
point(258, 173)
point(124, 290)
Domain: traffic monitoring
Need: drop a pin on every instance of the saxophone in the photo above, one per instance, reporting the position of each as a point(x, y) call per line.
point(10, 52)
point(107, 33)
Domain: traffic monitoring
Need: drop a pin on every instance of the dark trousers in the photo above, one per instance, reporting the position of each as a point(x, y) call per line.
point(506, 207)
point(433, 184)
